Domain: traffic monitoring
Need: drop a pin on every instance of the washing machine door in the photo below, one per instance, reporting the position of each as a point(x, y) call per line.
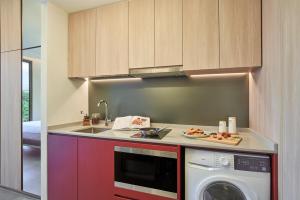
point(224, 188)
point(221, 190)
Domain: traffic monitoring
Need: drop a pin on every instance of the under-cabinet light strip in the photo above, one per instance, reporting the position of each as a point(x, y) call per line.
point(218, 75)
point(116, 80)
point(191, 76)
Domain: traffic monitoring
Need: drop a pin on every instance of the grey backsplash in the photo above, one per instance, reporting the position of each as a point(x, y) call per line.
point(181, 100)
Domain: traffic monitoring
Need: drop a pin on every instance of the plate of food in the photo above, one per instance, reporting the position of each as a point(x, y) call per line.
point(195, 133)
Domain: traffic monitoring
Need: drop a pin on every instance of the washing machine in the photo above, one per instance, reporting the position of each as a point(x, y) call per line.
point(215, 175)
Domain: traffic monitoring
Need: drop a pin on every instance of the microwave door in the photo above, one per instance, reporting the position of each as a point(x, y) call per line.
point(146, 170)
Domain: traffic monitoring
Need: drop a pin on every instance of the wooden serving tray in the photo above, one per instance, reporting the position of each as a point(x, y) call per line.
point(230, 141)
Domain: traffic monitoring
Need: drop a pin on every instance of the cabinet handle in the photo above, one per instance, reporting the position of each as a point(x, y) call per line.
point(203, 167)
point(119, 197)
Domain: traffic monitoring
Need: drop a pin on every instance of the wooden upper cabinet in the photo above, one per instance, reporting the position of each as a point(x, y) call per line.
point(112, 39)
point(141, 33)
point(82, 43)
point(10, 17)
point(200, 34)
point(168, 32)
point(240, 33)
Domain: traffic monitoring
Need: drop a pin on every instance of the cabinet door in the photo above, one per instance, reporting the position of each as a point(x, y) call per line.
point(82, 47)
point(141, 33)
point(240, 33)
point(95, 169)
point(11, 134)
point(10, 17)
point(62, 167)
point(112, 39)
point(168, 32)
point(200, 34)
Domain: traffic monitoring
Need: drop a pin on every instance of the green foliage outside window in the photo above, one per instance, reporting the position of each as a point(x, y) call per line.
point(25, 106)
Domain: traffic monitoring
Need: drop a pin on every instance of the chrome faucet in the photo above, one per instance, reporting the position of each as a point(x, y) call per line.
point(106, 110)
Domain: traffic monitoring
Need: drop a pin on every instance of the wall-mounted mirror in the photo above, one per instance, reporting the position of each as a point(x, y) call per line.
point(31, 117)
point(31, 96)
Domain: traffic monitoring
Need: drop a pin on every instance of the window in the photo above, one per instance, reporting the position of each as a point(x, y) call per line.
point(26, 90)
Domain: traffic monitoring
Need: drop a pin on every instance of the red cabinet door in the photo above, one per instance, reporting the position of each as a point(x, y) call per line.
point(95, 169)
point(62, 167)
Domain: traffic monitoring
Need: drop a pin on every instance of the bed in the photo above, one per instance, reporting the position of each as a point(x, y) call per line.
point(32, 133)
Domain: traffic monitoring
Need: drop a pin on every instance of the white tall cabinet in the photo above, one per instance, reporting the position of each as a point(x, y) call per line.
point(11, 94)
point(11, 136)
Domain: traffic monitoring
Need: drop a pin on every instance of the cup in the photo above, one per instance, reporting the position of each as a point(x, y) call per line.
point(222, 127)
point(95, 118)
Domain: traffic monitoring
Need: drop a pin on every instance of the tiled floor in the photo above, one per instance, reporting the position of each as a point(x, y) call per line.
point(12, 195)
point(31, 170)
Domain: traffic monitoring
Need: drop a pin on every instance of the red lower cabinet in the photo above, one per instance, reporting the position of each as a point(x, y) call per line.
point(95, 169)
point(274, 177)
point(62, 167)
point(84, 168)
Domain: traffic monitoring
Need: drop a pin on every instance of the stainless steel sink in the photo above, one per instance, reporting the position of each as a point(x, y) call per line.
point(92, 130)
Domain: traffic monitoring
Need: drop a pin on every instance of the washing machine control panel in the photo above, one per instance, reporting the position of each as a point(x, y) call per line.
point(224, 160)
point(252, 163)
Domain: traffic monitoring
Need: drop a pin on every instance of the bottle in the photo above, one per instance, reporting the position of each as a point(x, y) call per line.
point(86, 120)
point(232, 125)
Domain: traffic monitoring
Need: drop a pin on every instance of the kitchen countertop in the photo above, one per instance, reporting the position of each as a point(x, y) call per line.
point(252, 142)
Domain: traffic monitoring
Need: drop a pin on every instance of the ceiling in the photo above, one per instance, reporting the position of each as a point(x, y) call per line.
point(76, 5)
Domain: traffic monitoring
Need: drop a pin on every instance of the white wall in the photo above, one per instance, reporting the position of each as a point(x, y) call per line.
point(62, 99)
point(66, 97)
point(36, 90)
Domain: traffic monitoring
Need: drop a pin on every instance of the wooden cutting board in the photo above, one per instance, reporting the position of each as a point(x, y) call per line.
point(230, 141)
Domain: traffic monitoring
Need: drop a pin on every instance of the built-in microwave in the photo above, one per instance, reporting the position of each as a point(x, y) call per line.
point(147, 171)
